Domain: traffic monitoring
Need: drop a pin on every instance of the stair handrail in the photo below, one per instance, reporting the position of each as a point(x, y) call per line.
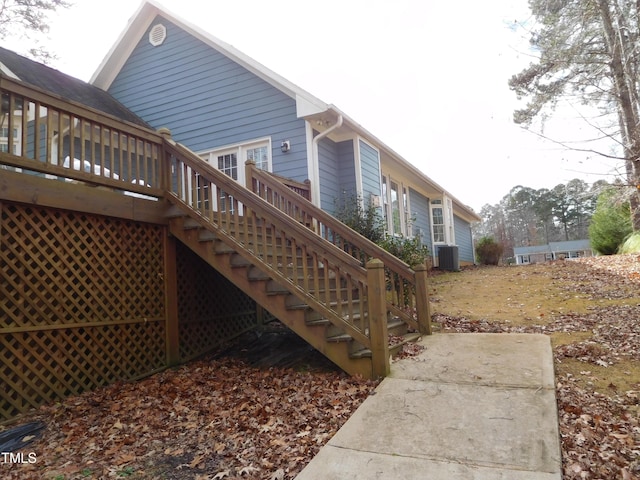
point(405, 302)
point(186, 166)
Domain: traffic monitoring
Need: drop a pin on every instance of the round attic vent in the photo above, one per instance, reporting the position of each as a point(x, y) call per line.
point(157, 34)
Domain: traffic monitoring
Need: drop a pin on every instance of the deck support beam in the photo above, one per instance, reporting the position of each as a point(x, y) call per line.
point(171, 300)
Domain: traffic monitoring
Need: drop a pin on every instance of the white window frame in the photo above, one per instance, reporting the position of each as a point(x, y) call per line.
point(240, 150)
point(435, 204)
point(448, 224)
point(404, 206)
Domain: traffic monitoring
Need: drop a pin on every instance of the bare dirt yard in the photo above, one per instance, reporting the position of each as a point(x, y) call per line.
point(591, 310)
point(255, 411)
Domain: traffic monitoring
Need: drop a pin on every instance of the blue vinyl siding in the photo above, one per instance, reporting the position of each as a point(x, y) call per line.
point(330, 192)
point(346, 169)
point(464, 239)
point(421, 217)
point(370, 166)
point(207, 100)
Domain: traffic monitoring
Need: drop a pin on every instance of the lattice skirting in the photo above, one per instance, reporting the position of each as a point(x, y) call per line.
point(211, 309)
point(47, 365)
point(82, 304)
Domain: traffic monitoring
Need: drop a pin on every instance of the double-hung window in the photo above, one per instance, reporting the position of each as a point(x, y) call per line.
point(231, 159)
point(437, 221)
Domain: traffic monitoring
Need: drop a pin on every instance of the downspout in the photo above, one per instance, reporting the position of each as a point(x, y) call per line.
point(315, 191)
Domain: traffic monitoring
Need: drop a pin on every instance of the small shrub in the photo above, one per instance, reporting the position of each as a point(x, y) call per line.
point(610, 223)
point(366, 220)
point(488, 251)
point(631, 244)
point(410, 250)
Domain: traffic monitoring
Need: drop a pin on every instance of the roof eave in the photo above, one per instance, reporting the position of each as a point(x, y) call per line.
point(307, 105)
point(463, 210)
point(141, 20)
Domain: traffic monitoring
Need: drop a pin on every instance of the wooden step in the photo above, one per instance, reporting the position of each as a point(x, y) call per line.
point(206, 236)
point(190, 224)
point(393, 349)
point(174, 212)
point(294, 303)
point(343, 337)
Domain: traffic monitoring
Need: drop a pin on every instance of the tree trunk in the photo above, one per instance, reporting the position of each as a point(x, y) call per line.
point(630, 125)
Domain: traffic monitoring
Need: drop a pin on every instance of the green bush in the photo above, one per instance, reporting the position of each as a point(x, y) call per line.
point(488, 251)
point(366, 220)
point(631, 244)
point(410, 250)
point(610, 223)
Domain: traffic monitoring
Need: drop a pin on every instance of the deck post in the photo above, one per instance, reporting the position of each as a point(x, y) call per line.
point(378, 318)
point(171, 301)
point(423, 310)
point(165, 173)
point(249, 165)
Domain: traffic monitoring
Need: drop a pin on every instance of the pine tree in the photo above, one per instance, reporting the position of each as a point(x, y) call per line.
point(588, 49)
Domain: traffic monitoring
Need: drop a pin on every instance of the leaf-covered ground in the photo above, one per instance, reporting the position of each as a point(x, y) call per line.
point(591, 310)
point(226, 417)
point(221, 417)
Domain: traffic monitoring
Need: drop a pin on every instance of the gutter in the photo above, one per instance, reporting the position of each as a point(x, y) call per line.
point(315, 190)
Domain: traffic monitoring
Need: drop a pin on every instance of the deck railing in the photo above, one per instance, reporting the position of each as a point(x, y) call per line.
point(329, 280)
point(53, 136)
point(406, 286)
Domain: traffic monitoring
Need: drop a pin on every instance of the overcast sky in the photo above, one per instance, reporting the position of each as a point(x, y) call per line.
point(429, 78)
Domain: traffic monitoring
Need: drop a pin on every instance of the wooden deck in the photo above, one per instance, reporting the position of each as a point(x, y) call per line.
point(98, 220)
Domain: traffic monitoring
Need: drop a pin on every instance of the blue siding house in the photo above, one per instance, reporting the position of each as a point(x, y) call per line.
point(229, 108)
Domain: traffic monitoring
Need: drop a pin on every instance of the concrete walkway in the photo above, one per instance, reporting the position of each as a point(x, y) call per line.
point(470, 406)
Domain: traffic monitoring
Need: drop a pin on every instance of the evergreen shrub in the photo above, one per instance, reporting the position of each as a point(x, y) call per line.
point(488, 251)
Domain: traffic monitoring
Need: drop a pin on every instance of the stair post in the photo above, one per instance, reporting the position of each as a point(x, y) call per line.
point(378, 318)
point(423, 308)
point(249, 165)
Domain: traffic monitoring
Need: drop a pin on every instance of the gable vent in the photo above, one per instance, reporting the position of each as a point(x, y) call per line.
point(157, 34)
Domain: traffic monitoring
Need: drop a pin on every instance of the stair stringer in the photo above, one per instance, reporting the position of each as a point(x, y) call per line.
point(276, 304)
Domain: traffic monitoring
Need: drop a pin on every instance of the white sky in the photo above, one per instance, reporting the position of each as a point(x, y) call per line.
point(429, 78)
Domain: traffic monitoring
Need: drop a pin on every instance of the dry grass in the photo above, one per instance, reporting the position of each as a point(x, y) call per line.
point(591, 310)
point(539, 295)
point(519, 295)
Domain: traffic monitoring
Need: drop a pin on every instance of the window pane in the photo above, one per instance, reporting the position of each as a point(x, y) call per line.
point(260, 155)
point(395, 208)
point(229, 165)
point(438, 233)
point(438, 218)
point(385, 201)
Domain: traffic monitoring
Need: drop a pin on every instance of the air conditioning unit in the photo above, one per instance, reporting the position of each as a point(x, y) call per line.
point(448, 258)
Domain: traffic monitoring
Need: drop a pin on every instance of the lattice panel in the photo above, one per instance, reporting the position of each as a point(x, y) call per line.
point(81, 303)
point(210, 308)
point(63, 268)
point(47, 365)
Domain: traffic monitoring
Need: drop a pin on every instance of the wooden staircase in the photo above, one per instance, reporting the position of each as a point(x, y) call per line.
point(351, 308)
